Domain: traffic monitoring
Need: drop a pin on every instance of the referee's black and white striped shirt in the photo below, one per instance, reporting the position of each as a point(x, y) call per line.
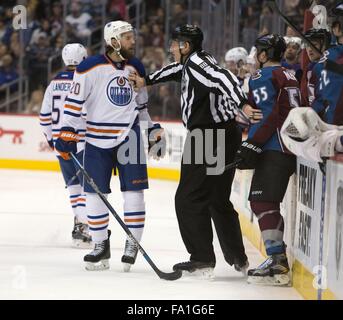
point(209, 94)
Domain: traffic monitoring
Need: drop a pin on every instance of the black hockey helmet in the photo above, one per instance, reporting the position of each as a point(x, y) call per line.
point(189, 33)
point(273, 44)
point(322, 35)
point(337, 13)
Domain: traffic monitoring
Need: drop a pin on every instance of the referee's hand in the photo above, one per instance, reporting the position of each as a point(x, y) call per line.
point(136, 81)
point(254, 115)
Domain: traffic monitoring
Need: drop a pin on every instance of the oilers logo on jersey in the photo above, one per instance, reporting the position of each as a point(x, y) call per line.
point(119, 91)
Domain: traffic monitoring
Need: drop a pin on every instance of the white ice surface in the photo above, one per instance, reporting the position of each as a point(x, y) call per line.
point(37, 261)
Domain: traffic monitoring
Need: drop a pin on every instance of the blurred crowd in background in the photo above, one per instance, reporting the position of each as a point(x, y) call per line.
point(49, 27)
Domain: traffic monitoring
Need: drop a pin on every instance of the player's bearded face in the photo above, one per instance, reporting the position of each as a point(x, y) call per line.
point(128, 43)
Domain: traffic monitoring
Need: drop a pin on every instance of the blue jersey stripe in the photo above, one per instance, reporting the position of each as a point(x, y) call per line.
point(139, 213)
point(45, 114)
point(72, 114)
point(75, 195)
point(75, 101)
point(108, 124)
point(136, 226)
point(45, 124)
point(88, 135)
point(98, 217)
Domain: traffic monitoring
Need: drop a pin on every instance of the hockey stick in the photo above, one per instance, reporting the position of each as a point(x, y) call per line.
point(232, 164)
point(163, 275)
point(321, 232)
point(71, 180)
point(229, 166)
point(329, 65)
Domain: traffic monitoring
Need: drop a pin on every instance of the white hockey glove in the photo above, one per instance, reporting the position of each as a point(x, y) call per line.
point(307, 136)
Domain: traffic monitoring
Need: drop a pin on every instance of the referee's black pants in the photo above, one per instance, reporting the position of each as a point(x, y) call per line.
point(201, 197)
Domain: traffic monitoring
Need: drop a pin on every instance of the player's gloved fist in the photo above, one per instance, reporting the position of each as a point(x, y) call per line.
point(66, 142)
point(248, 154)
point(157, 142)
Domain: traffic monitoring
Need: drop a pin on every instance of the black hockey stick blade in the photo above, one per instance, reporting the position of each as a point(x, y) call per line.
point(329, 65)
point(170, 275)
point(163, 275)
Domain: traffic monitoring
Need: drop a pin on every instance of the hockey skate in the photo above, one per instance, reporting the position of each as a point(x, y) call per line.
point(274, 271)
point(241, 266)
point(130, 254)
point(80, 235)
point(98, 259)
point(204, 270)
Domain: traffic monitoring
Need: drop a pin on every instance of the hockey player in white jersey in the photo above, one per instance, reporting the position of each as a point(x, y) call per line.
point(51, 116)
point(114, 113)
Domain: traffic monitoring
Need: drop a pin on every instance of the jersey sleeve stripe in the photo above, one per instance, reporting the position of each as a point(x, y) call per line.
point(75, 101)
point(72, 114)
point(104, 130)
point(68, 106)
point(103, 124)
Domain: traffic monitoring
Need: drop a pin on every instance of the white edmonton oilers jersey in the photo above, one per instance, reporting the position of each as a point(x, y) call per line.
point(51, 114)
point(112, 104)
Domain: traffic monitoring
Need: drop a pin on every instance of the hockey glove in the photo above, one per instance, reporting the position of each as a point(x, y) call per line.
point(66, 142)
point(248, 154)
point(157, 142)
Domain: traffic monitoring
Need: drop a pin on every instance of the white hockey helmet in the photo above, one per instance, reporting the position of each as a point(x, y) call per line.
point(115, 29)
point(73, 54)
point(295, 40)
point(236, 54)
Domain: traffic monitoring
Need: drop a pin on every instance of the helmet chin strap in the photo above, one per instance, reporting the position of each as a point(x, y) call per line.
point(117, 50)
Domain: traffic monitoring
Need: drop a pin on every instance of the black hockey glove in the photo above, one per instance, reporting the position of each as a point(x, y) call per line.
point(248, 154)
point(157, 142)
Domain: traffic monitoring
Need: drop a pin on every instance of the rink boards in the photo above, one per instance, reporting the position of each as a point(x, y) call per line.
point(313, 224)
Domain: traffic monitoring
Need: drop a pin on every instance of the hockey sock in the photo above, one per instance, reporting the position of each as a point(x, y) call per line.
point(78, 202)
point(98, 217)
point(271, 225)
point(134, 212)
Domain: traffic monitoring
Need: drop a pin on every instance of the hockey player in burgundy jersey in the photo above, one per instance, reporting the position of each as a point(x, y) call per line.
point(275, 91)
point(321, 38)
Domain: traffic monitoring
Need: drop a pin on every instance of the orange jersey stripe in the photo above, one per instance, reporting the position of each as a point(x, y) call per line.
point(98, 222)
point(45, 120)
point(103, 130)
point(98, 65)
point(68, 106)
point(134, 220)
point(78, 199)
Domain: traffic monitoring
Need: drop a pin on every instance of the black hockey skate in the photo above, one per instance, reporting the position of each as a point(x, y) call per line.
point(80, 235)
point(274, 271)
point(98, 259)
point(198, 268)
point(241, 266)
point(130, 255)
